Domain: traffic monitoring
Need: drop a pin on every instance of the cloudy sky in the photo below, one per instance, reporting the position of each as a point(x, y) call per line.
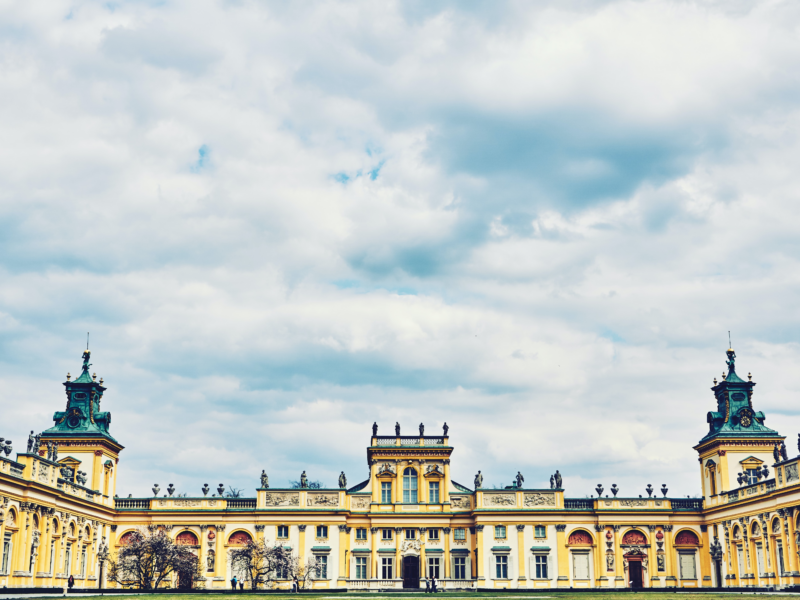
point(282, 222)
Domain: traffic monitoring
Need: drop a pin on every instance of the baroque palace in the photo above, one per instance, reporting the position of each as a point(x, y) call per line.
point(410, 520)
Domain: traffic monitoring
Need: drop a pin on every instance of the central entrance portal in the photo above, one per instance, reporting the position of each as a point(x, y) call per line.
point(411, 572)
point(635, 570)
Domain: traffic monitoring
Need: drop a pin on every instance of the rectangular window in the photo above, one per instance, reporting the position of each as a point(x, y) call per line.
point(433, 534)
point(752, 476)
point(386, 492)
point(501, 564)
point(361, 533)
point(740, 559)
point(283, 531)
point(459, 533)
point(500, 532)
point(433, 492)
point(386, 534)
point(433, 567)
point(52, 556)
point(760, 559)
point(541, 566)
point(361, 567)
point(687, 565)
point(540, 531)
point(322, 567)
point(386, 568)
point(780, 557)
point(411, 534)
point(322, 531)
point(83, 563)
point(33, 557)
point(6, 554)
point(459, 567)
point(282, 571)
point(68, 560)
point(580, 565)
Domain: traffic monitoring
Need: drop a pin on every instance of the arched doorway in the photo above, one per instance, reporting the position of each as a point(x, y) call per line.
point(634, 543)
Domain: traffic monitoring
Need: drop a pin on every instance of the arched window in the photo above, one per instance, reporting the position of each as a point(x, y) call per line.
point(686, 538)
point(186, 538)
point(579, 538)
point(240, 538)
point(410, 486)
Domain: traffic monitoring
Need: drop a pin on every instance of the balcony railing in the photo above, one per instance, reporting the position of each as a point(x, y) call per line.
point(131, 503)
point(241, 503)
point(687, 504)
point(578, 504)
point(409, 440)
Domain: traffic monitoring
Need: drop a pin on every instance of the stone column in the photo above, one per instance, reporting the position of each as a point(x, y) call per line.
point(343, 546)
point(600, 557)
point(563, 556)
point(24, 535)
point(446, 533)
point(671, 573)
point(422, 566)
point(652, 556)
point(479, 558)
point(398, 531)
point(220, 560)
point(521, 556)
point(445, 491)
point(705, 559)
point(791, 547)
point(620, 579)
point(374, 554)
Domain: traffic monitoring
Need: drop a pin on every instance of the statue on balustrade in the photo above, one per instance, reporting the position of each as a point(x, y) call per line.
point(342, 480)
point(519, 479)
point(374, 429)
point(264, 479)
point(303, 480)
point(421, 430)
point(397, 429)
point(446, 429)
point(559, 481)
point(478, 481)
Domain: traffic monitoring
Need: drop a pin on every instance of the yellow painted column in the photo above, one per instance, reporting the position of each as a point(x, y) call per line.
point(521, 551)
point(599, 556)
point(398, 531)
point(220, 560)
point(398, 484)
point(563, 556)
point(445, 491)
point(619, 561)
point(343, 547)
point(479, 557)
point(26, 531)
point(97, 471)
point(671, 572)
point(422, 566)
point(705, 559)
point(446, 532)
point(789, 557)
point(376, 484)
point(790, 549)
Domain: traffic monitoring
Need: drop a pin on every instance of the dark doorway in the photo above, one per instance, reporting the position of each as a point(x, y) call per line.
point(411, 572)
point(718, 572)
point(635, 570)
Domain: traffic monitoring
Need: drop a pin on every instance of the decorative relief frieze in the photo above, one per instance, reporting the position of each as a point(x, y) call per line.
point(186, 503)
point(282, 499)
point(632, 502)
point(540, 499)
point(360, 502)
point(791, 472)
point(322, 500)
point(499, 499)
point(460, 502)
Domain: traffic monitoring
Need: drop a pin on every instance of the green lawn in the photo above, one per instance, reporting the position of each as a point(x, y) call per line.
point(322, 595)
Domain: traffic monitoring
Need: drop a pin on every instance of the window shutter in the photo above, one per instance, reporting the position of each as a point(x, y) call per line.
point(468, 568)
point(532, 568)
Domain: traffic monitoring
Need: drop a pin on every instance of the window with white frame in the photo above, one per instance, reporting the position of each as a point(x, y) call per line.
point(361, 567)
point(780, 555)
point(386, 492)
point(386, 534)
point(6, 562)
point(688, 570)
point(410, 486)
point(322, 566)
point(386, 568)
point(322, 531)
point(460, 533)
point(501, 566)
point(433, 492)
point(68, 560)
point(52, 556)
point(540, 563)
point(433, 534)
point(361, 533)
point(83, 563)
point(411, 534)
point(459, 567)
point(283, 531)
point(500, 532)
point(540, 531)
point(580, 565)
point(433, 567)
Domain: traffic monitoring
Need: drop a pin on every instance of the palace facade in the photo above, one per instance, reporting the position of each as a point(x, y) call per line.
point(410, 520)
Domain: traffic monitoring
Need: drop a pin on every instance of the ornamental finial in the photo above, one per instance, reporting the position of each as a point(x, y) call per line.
point(86, 364)
point(731, 362)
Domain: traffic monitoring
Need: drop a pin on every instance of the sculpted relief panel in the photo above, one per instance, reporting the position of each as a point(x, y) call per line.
point(284, 499)
point(499, 499)
point(461, 502)
point(791, 473)
point(360, 502)
point(323, 500)
point(540, 499)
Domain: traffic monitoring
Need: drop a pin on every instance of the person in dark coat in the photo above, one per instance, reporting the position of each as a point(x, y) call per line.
point(71, 582)
point(233, 582)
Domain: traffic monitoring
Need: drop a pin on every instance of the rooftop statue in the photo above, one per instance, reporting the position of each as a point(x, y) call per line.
point(446, 429)
point(342, 480)
point(421, 430)
point(31, 441)
point(519, 479)
point(264, 479)
point(397, 429)
point(776, 453)
point(478, 481)
point(558, 480)
point(374, 429)
point(303, 480)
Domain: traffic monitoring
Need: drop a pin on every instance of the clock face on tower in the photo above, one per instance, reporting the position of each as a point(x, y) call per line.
point(746, 417)
point(74, 418)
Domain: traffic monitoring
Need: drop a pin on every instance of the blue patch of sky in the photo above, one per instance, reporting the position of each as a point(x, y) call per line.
point(202, 159)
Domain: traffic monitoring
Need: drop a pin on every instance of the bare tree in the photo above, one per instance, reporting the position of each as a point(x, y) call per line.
point(312, 485)
point(150, 558)
point(234, 492)
point(260, 563)
point(305, 572)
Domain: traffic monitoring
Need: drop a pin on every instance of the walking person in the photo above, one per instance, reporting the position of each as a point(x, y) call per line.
point(427, 586)
point(71, 582)
point(233, 583)
point(433, 584)
point(295, 585)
